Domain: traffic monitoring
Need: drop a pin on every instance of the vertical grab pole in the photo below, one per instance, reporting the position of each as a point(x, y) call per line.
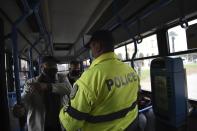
point(31, 73)
point(16, 70)
point(4, 109)
point(16, 64)
point(39, 63)
point(31, 69)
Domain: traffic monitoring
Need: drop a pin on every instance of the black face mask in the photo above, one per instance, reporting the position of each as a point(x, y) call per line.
point(50, 72)
point(75, 73)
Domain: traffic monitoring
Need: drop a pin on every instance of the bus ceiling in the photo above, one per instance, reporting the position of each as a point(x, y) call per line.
point(57, 26)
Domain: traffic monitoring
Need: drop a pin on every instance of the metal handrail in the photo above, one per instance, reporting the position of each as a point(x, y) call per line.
point(31, 74)
point(14, 34)
point(125, 26)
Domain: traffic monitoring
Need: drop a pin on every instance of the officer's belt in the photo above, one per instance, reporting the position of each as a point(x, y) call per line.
point(101, 118)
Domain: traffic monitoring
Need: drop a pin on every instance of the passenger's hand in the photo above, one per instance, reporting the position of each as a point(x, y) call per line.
point(19, 111)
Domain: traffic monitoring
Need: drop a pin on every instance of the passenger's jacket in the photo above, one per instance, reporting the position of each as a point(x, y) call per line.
point(108, 86)
point(35, 102)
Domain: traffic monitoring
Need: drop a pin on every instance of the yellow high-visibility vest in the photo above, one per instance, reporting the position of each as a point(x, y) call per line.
point(108, 86)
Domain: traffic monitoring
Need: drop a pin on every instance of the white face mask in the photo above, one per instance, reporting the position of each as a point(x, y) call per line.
point(91, 55)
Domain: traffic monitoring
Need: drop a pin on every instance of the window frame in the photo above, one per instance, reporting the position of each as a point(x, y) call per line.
point(131, 41)
point(179, 52)
point(126, 56)
point(190, 51)
point(142, 58)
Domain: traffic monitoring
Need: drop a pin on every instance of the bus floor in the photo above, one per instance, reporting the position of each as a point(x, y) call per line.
point(152, 124)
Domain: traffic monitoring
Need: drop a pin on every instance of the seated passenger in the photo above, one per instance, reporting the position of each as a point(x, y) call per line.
point(104, 98)
point(41, 98)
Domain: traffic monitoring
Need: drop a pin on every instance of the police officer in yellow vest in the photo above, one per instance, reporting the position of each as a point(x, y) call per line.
point(104, 98)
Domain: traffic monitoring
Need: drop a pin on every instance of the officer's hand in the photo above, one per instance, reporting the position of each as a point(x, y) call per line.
point(65, 102)
point(18, 111)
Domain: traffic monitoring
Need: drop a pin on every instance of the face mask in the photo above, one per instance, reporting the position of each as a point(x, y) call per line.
point(50, 72)
point(91, 55)
point(75, 73)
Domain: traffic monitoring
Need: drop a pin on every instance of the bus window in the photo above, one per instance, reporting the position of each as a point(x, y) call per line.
point(128, 63)
point(121, 52)
point(86, 64)
point(63, 67)
point(142, 68)
point(148, 47)
point(178, 42)
point(190, 64)
point(177, 38)
point(24, 70)
point(24, 65)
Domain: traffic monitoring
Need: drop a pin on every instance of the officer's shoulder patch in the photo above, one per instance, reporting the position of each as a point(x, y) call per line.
point(74, 90)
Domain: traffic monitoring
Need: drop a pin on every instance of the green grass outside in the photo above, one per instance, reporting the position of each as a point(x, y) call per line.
point(190, 68)
point(145, 74)
point(193, 65)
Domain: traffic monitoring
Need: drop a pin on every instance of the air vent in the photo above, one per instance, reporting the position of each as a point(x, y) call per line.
point(62, 46)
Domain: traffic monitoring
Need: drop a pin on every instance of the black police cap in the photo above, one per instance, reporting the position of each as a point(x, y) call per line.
point(103, 36)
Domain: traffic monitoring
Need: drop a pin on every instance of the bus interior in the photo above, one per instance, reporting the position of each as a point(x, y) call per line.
point(146, 32)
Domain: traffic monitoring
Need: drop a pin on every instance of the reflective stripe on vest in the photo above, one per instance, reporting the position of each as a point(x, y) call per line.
point(101, 118)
